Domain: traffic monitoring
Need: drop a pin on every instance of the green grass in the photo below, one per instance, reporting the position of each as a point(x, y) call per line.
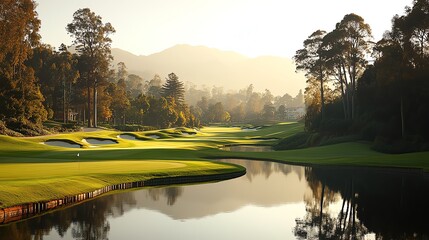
point(32, 182)
point(31, 171)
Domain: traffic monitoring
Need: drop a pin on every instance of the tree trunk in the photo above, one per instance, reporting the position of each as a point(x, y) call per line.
point(402, 118)
point(64, 103)
point(321, 209)
point(322, 95)
point(95, 104)
point(68, 103)
point(89, 105)
point(353, 82)
point(343, 95)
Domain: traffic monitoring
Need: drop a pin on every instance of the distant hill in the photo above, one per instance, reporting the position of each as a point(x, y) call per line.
point(209, 67)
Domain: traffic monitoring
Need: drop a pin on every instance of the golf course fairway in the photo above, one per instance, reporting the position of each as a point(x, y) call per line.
point(32, 171)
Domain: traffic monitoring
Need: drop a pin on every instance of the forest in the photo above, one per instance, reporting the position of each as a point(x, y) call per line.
point(356, 87)
point(376, 91)
point(79, 86)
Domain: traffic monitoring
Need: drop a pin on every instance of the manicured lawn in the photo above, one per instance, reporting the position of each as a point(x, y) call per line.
point(32, 182)
point(31, 171)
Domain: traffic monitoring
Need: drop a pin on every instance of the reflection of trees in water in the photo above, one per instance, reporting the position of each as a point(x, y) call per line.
point(266, 168)
point(170, 193)
point(87, 220)
point(393, 205)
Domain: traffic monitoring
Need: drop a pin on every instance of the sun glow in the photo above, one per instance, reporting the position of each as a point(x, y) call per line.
point(253, 28)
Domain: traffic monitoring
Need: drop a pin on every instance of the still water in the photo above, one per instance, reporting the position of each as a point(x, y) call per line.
point(272, 201)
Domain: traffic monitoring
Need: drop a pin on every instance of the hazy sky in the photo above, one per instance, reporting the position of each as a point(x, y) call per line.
point(250, 27)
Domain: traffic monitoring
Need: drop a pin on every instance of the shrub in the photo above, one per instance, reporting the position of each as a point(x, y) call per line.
point(385, 145)
point(335, 126)
point(133, 128)
point(296, 141)
point(341, 139)
point(25, 127)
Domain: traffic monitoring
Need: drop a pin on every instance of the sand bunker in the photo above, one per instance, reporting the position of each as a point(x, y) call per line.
point(98, 141)
point(60, 143)
point(153, 136)
point(127, 137)
point(188, 133)
point(247, 129)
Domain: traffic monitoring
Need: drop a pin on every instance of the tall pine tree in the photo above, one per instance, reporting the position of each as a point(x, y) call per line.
point(173, 89)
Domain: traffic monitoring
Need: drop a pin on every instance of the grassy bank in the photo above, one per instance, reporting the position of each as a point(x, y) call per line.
point(33, 182)
point(31, 171)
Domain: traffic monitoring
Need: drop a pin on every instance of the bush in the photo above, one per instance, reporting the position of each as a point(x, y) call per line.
point(382, 144)
point(6, 131)
point(70, 127)
point(133, 128)
point(341, 139)
point(296, 141)
point(25, 127)
point(335, 126)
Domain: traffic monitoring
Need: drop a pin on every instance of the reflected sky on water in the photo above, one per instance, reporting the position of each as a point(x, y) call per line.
point(272, 201)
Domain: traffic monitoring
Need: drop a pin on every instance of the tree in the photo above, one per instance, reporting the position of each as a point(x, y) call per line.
point(281, 113)
point(19, 92)
point(216, 113)
point(355, 36)
point(154, 86)
point(311, 60)
point(120, 102)
point(91, 38)
point(268, 112)
point(67, 74)
point(135, 85)
point(173, 88)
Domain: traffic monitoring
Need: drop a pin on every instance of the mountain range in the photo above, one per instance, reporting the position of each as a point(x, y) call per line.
point(208, 67)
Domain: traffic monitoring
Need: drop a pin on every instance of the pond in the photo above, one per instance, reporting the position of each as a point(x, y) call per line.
point(272, 201)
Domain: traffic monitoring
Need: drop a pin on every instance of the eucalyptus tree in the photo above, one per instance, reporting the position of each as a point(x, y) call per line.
point(65, 70)
point(154, 86)
point(354, 43)
point(402, 58)
point(311, 60)
point(415, 29)
point(91, 38)
point(334, 49)
point(20, 94)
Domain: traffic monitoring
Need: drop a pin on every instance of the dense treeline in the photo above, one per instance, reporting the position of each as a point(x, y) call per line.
point(244, 106)
point(385, 99)
point(78, 84)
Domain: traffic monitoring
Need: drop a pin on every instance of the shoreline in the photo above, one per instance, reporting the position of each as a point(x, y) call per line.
point(32, 209)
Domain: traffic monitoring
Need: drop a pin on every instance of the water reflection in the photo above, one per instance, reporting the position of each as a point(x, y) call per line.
point(273, 201)
point(391, 204)
point(247, 148)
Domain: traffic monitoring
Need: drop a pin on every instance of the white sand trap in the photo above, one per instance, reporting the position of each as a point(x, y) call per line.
point(96, 141)
point(249, 129)
point(153, 136)
point(188, 134)
point(127, 137)
point(59, 143)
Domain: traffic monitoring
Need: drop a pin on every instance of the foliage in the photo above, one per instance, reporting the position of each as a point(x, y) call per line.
point(19, 90)
point(174, 89)
point(382, 102)
point(296, 141)
point(92, 41)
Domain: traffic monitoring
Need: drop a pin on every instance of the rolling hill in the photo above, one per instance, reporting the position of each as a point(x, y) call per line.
point(209, 67)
